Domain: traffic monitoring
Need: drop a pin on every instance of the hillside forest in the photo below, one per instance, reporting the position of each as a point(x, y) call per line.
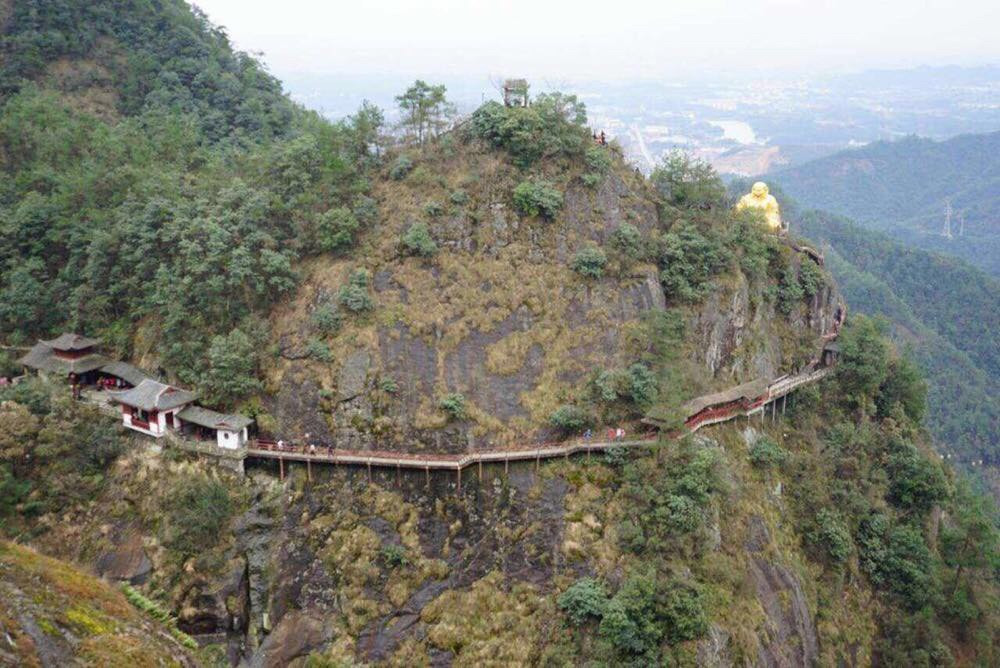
point(160, 192)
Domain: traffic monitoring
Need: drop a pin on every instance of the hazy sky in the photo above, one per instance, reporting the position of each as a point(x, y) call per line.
point(609, 39)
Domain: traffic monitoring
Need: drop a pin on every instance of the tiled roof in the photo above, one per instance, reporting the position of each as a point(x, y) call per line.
point(151, 395)
point(213, 420)
point(72, 342)
point(43, 357)
point(130, 374)
point(751, 390)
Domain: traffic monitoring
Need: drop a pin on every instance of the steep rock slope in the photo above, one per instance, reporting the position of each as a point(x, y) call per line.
point(52, 614)
point(498, 315)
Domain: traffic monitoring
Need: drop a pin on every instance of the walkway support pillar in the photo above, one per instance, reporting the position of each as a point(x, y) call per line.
point(399, 481)
point(309, 470)
point(427, 475)
point(458, 473)
point(506, 466)
point(369, 471)
point(480, 470)
point(281, 468)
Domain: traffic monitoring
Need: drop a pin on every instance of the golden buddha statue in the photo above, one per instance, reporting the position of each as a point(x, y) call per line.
point(760, 198)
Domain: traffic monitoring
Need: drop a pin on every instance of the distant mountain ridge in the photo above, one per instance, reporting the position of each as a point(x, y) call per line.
point(944, 310)
point(904, 188)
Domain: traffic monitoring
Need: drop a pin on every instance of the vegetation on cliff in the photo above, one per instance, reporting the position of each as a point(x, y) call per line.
point(53, 614)
point(505, 280)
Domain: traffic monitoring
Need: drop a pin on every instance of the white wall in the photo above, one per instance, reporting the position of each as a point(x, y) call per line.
point(231, 440)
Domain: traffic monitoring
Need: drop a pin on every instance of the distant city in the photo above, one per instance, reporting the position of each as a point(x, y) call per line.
point(741, 126)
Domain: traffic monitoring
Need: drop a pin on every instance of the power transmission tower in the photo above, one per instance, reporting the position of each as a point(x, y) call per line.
point(947, 218)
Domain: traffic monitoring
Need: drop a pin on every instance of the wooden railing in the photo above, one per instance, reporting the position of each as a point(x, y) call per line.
point(291, 451)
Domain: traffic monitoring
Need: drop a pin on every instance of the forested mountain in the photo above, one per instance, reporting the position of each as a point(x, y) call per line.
point(155, 180)
point(903, 187)
point(945, 311)
point(447, 290)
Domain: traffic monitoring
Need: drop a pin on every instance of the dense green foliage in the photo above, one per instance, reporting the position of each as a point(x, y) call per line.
point(197, 514)
point(870, 494)
point(454, 405)
point(589, 261)
point(688, 183)
point(584, 600)
point(156, 59)
point(553, 127)
point(183, 210)
point(765, 453)
point(569, 419)
point(536, 197)
point(945, 312)
point(900, 187)
point(426, 110)
point(418, 241)
point(354, 294)
point(53, 451)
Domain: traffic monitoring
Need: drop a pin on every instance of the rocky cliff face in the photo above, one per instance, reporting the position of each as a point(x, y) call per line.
point(410, 572)
point(499, 316)
point(52, 614)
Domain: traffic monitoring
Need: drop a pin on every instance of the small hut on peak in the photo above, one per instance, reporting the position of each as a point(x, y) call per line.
point(515, 92)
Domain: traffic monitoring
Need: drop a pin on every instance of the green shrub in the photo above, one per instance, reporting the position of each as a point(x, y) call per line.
point(830, 536)
point(896, 559)
point(8, 365)
point(366, 209)
point(915, 482)
point(400, 168)
point(905, 386)
point(682, 612)
point(589, 261)
point(636, 385)
point(538, 198)
point(687, 182)
point(326, 319)
point(454, 405)
point(668, 500)
point(232, 368)
point(394, 556)
point(643, 388)
point(354, 296)
point(319, 351)
point(629, 620)
point(388, 385)
point(197, 513)
point(598, 162)
point(790, 292)
point(864, 359)
point(459, 197)
point(334, 229)
point(647, 611)
point(569, 418)
point(766, 454)
point(811, 278)
point(554, 125)
point(688, 260)
point(32, 393)
point(627, 241)
point(417, 240)
point(433, 209)
point(584, 600)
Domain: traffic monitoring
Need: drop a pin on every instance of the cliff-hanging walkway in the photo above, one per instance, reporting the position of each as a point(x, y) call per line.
point(711, 409)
